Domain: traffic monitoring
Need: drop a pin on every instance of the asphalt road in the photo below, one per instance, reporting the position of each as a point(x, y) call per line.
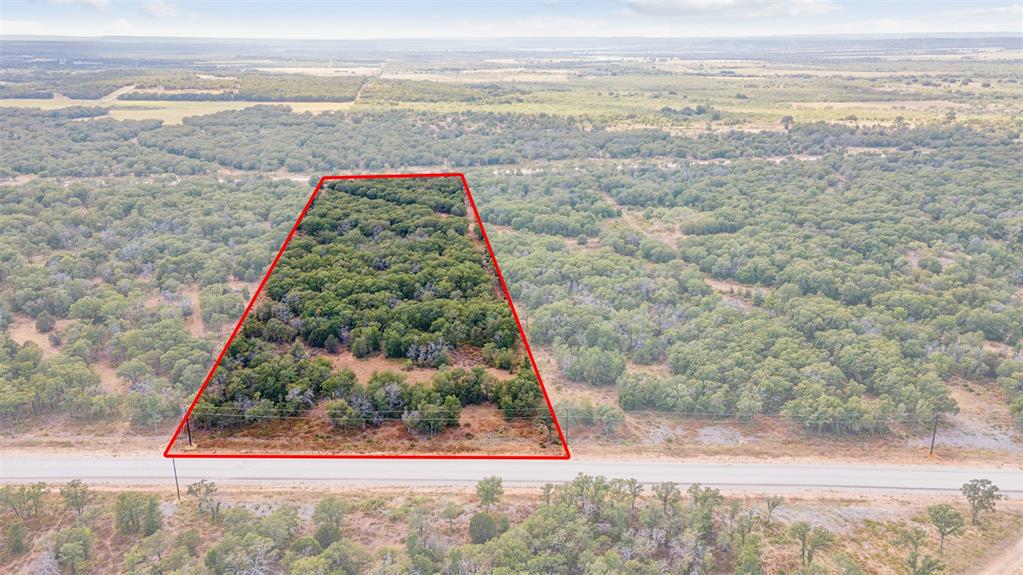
point(753, 477)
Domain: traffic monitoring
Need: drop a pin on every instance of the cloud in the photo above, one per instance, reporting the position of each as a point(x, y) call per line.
point(747, 9)
point(120, 27)
point(20, 27)
point(93, 3)
point(159, 9)
point(1012, 10)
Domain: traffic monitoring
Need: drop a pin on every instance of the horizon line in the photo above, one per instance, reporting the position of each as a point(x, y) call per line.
point(1009, 34)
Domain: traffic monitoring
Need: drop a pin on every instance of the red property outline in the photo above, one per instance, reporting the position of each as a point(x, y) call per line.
point(529, 352)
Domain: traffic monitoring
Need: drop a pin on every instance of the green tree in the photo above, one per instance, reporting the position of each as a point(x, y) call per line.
point(489, 491)
point(482, 528)
point(947, 521)
point(982, 495)
point(330, 511)
point(17, 500)
point(346, 558)
point(811, 540)
point(343, 416)
point(72, 555)
point(152, 519)
point(205, 492)
point(627, 490)
point(609, 418)
point(76, 496)
point(72, 548)
point(326, 535)
point(16, 538)
point(917, 562)
point(45, 322)
point(450, 512)
point(749, 560)
point(130, 510)
point(773, 502)
point(668, 494)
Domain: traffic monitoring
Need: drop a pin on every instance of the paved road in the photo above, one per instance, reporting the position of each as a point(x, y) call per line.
point(756, 477)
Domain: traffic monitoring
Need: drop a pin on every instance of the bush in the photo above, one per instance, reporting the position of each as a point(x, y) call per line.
point(16, 538)
point(343, 416)
point(45, 322)
point(482, 528)
point(339, 384)
point(326, 535)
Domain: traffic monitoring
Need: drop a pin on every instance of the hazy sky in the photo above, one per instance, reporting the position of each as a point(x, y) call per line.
point(503, 18)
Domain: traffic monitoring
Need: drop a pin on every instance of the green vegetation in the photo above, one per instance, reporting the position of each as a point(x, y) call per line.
point(251, 88)
point(385, 268)
point(115, 266)
point(832, 241)
point(849, 323)
point(615, 525)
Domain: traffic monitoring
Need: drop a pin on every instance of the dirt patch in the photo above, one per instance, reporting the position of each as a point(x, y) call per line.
point(734, 292)
point(194, 323)
point(720, 435)
point(482, 430)
point(364, 368)
point(734, 287)
point(1009, 563)
point(18, 180)
point(840, 517)
point(983, 421)
point(881, 104)
point(23, 330)
point(853, 150)
point(108, 378)
point(999, 348)
point(242, 286)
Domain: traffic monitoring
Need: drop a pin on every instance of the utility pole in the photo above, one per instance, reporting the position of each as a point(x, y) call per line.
point(934, 433)
point(177, 487)
point(188, 427)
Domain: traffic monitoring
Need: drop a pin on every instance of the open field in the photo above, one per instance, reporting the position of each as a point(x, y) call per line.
point(169, 112)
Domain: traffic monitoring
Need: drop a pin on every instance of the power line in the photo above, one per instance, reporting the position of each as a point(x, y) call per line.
point(532, 412)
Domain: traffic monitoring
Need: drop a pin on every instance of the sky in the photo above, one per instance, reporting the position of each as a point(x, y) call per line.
point(504, 18)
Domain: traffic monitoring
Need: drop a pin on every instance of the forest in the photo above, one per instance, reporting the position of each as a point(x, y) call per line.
point(846, 316)
point(789, 251)
point(856, 272)
point(376, 267)
point(112, 276)
point(268, 138)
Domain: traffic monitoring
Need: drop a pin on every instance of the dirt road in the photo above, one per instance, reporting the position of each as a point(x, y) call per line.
point(754, 477)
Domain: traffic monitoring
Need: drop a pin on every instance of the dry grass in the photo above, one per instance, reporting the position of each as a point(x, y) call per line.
point(482, 430)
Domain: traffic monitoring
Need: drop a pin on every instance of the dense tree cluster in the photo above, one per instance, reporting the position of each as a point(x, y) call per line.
point(879, 306)
point(252, 87)
point(75, 84)
point(395, 91)
point(269, 138)
point(80, 141)
point(375, 267)
point(386, 266)
point(109, 270)
point(561, 204)
point(867, 309)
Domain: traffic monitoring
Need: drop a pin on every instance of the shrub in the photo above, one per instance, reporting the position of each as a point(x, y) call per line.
point(482, 528)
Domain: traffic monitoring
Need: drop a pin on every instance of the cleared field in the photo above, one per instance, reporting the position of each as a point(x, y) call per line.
point(167, 111)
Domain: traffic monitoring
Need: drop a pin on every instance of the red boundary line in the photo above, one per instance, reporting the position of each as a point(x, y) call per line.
point(529, 352)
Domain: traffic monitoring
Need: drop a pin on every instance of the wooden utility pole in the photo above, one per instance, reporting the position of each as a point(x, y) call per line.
point(188, 427)
point(177, 487)
point(934, 433)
